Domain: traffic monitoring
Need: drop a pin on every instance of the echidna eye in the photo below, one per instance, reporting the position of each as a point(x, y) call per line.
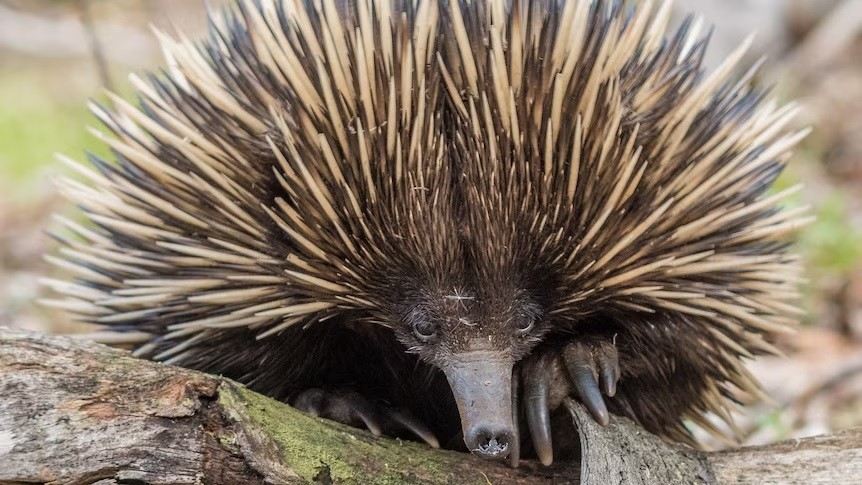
point(525, 324)
point(424, 330)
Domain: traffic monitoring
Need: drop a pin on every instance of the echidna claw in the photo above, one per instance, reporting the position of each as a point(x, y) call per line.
point(588, 369)
point(347, 407)
point(591, 365)
point(412, 424)
point(587, 390)
point(537, 387)
point(353, 409)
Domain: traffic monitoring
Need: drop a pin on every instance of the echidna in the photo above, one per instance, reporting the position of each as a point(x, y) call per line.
point(397, 213)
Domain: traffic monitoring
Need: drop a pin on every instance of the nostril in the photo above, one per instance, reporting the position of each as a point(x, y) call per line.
point(491, 444)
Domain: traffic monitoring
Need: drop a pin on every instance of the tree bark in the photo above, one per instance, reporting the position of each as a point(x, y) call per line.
point(76, 412)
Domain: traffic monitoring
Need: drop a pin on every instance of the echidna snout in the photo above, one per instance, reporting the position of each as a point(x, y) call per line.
point(481, 382)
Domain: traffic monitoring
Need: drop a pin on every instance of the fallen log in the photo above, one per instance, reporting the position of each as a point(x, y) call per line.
point(76, 412)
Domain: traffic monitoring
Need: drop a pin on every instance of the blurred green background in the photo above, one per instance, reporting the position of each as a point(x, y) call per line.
point(55, 55)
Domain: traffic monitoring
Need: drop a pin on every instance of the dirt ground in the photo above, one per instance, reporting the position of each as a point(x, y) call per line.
point(814, 48)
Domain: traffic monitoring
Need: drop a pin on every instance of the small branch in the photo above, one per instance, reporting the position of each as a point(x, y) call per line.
point(827, 41)
point(94, 43)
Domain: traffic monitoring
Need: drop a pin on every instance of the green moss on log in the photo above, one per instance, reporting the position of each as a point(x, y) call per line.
point(322, 450)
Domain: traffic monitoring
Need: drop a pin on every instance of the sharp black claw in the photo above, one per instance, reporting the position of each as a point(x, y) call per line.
point(354, 409)
point(610, 370)
point(609, 382)
point(370, 423)
point(536, 390)
point(410, 423)
point(588, 391)
point(365, 411)
point(579, 363)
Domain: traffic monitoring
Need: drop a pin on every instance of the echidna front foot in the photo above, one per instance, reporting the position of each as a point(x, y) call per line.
point(354, 409)
point(594, 369)
point(587, 369)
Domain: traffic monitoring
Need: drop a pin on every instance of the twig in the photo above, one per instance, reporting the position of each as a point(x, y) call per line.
point(823, 44)
point(95, 44)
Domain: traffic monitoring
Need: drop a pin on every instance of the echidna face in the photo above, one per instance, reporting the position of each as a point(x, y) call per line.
point(476, 334)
